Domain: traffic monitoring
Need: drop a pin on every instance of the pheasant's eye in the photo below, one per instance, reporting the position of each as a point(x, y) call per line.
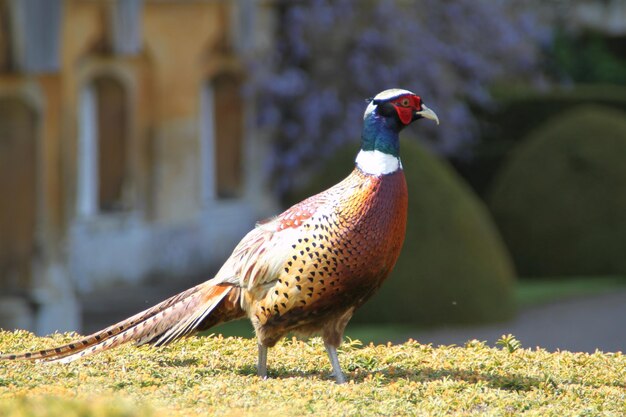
point(405, 102)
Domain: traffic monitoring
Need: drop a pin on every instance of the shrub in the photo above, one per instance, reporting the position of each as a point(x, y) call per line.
point(62, 406)
point(453, 267)
point(560, 200)
point(519, 111)
point(215, 376)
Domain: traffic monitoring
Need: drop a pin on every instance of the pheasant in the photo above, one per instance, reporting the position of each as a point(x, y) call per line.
point(304, 271)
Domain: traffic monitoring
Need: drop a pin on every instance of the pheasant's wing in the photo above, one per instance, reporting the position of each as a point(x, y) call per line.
point(257, 260)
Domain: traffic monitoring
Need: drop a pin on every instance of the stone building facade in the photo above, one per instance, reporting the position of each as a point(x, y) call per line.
point(126, 146)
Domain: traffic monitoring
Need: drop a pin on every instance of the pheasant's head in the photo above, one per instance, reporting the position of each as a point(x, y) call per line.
point(386, 115)
point(398, 108)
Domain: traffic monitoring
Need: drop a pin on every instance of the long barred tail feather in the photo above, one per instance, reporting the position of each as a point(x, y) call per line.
point(178, 316)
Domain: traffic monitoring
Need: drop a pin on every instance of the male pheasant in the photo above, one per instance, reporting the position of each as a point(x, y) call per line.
point(304, 271)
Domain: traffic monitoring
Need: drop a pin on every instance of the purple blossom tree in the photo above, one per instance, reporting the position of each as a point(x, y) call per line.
point(331, 54)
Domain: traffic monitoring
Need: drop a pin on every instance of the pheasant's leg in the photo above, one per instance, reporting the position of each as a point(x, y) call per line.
point(334, 360)
point(262, 363)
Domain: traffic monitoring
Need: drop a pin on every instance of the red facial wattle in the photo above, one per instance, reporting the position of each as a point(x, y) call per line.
point(405, 114)
point(406, 106)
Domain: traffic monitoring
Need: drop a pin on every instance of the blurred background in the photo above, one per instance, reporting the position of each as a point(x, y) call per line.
point(141, 139)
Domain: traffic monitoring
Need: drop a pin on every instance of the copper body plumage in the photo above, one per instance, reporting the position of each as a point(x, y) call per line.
point(349, 240)
point(304, 271)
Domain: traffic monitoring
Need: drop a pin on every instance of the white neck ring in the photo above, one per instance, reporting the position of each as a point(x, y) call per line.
point(377, 162)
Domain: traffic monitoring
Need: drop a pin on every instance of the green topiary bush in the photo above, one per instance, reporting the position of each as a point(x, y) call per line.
point(453, 267)
point(519, 111)
point(60, 405)
point(215, 376)
point(560, 201)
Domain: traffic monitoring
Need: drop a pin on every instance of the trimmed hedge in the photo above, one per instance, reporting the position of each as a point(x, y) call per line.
point(215, 376)
point(453, 267)
point(560, 201)
point(519, 111)
point(522, 110)
point(63, 405)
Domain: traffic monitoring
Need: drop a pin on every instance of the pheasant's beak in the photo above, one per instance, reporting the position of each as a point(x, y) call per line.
point(427, 113)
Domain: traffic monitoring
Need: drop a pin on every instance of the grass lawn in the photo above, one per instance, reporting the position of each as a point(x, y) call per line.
point(530, 292)
point(216, 376)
